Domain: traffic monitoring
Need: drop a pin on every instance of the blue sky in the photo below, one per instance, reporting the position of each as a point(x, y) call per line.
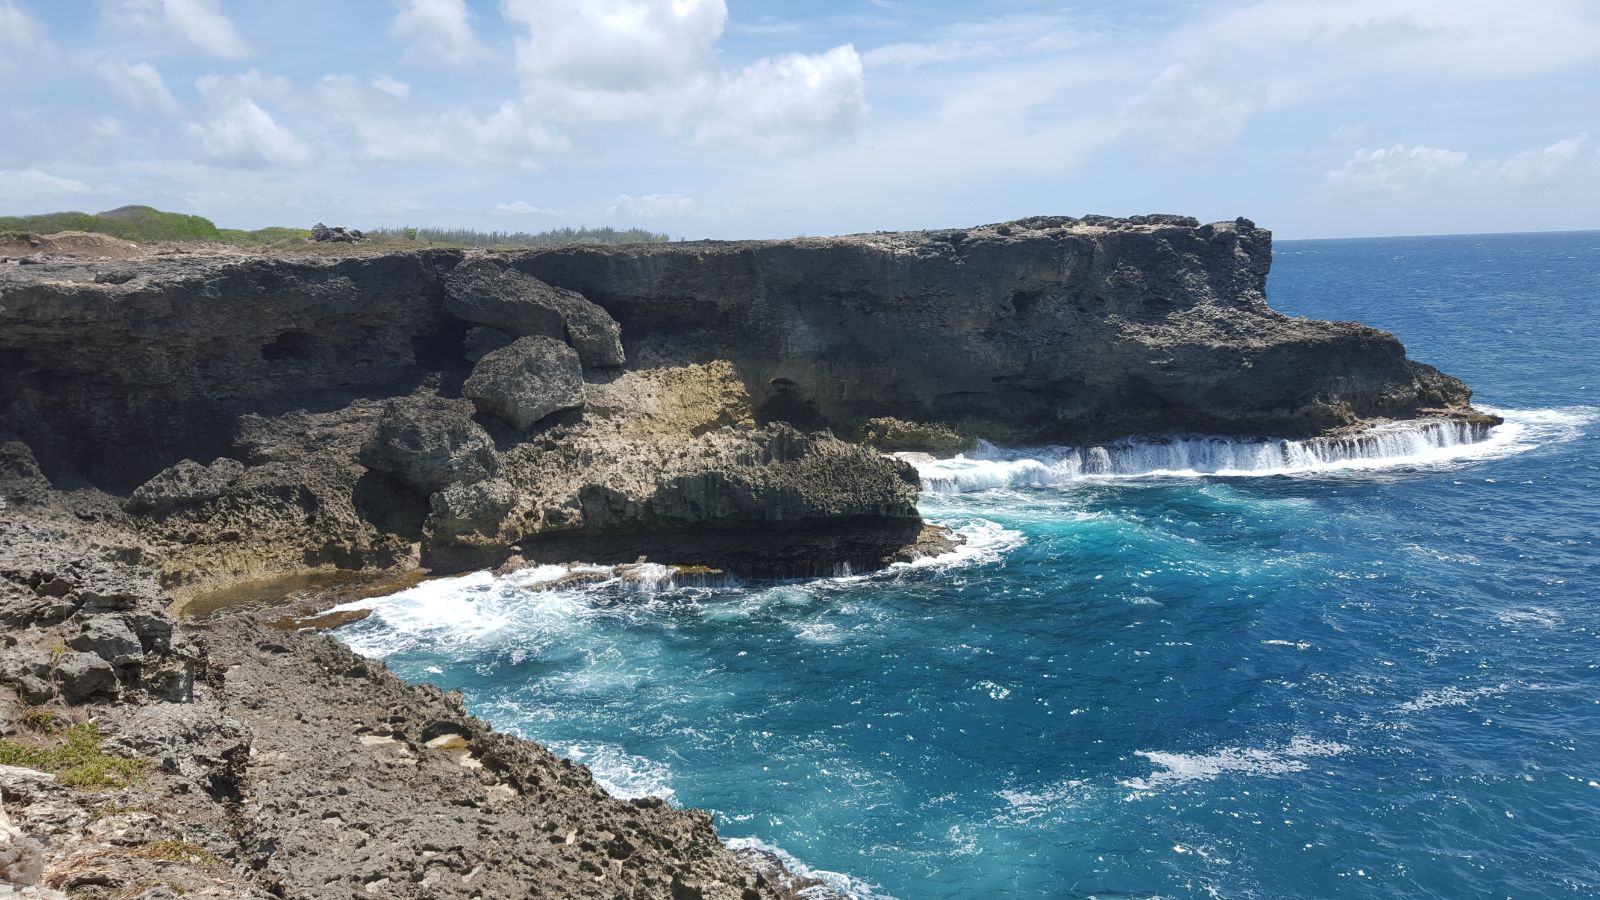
point(706, 118)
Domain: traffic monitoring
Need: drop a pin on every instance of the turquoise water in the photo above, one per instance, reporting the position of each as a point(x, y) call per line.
point(1376, 676)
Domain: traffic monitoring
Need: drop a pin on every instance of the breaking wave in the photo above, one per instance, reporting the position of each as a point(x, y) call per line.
point(1423, 442)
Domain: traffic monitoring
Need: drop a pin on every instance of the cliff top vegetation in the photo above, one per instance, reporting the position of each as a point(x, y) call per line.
point(148, 225)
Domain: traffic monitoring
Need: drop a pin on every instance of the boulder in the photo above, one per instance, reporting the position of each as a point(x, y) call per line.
point(186, 484)
point(526, 381)
point(468, 509)
point(109, 638)
point(80, 676)
point(484, 292)
point(429, 443)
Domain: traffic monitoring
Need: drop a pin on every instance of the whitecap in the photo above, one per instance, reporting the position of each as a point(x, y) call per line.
point(1174, 769)
point(1024, 806)
point(1539, 616)
point(1451, 696)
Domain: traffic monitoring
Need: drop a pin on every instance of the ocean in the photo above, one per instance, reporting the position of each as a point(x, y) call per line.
point(1195, 669)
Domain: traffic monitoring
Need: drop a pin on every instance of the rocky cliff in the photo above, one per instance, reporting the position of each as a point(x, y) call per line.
point(656, 399)
point(1041, 330)
point(177, 423)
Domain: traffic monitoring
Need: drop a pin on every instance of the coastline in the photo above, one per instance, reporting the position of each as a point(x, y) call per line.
point(261, 423)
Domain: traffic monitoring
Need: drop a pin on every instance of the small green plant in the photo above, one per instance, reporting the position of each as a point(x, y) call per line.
point(186, 852)
point(77, 761)
point(42, 720)
point(411, 234)
point(107, 810)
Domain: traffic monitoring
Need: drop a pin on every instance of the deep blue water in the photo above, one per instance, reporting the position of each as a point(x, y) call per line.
point(1372, 681)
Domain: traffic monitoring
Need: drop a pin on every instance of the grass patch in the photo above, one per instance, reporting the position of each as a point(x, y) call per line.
point(76, 761)
point(184, 852)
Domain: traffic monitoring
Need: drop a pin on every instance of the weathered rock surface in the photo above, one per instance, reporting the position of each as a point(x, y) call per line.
point(186, 484)
point(286, 766)
point(429, 443)
point(486, 292)
point(526, 381)
point(1049, 329)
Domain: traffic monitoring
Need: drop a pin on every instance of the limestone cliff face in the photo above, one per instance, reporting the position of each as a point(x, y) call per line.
point(1046, 329)
point(260, 414)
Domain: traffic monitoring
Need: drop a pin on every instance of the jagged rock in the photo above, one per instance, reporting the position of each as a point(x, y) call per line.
point(485, 292)
point(895, 436)
point(429, 443)
point(80, 676)
point(21, 856)
point(471, 509)
point(337, 234)
point(186, 484)
point(526, 381)
point(1044, 330)
point(109, 638)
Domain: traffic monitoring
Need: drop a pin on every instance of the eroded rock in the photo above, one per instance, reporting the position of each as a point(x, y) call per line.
point(526, 381)
point(186, 484)
point(429, 443)
point(484, 292)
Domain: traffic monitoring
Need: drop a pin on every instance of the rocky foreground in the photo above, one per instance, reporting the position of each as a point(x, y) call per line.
point(180, 426)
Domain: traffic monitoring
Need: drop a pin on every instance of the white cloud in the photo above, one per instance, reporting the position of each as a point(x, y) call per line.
point(524, 208)
point(33, 184)
point(1400, 169)
point(655, 61)
point(139, 85)
point(508, 135)
point(1181, 113)
point(652, 206)
point(623, 46)
point(391, 86)
point(200, 23)
point(438, 29)
point(19, 30)
point(786, 102)
point(1007, 37)
point(243, 135)
point(1531, 167)
point(1410, 170)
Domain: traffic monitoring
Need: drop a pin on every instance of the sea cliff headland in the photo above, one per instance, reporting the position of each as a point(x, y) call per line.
point(175, 424)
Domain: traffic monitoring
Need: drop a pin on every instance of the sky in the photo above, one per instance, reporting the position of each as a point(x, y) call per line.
point(758, 118)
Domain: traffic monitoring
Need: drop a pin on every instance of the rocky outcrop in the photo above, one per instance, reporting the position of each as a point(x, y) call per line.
point(526, 381)
point(234, 761)
point(485, 292)
point(1049, 329)
point(429, 443)
point(356, 409)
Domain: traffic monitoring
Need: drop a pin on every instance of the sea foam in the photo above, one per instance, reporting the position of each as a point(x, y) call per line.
point(1418, 443)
